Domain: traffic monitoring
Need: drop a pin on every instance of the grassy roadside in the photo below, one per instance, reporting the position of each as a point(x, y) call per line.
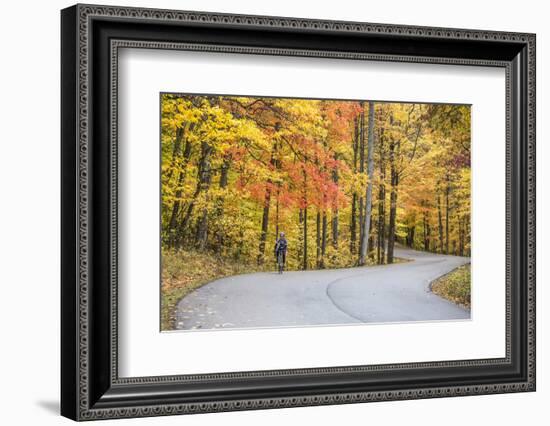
point(184, 271)
point(455, 286)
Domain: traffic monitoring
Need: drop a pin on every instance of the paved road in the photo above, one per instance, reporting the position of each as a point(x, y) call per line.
point(390, 293)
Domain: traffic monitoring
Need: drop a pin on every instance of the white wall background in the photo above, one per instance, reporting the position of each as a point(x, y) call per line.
point(29, 213)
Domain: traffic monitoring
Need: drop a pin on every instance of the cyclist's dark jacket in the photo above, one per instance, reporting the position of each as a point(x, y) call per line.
point(280, 245)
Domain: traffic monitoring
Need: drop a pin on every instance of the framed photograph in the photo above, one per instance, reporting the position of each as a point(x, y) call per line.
point(263, 212)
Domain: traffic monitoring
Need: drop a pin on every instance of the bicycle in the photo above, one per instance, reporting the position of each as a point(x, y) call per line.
point(280, 261)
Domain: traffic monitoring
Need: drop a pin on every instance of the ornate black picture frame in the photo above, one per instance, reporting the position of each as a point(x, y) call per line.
point(91, 36)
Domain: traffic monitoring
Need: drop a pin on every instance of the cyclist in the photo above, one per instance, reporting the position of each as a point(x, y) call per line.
point(280, 247)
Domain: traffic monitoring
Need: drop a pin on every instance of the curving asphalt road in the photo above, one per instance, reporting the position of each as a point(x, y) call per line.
point(389, 293)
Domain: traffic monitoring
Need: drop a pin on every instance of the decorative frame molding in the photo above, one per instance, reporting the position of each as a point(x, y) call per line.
point(91, 388)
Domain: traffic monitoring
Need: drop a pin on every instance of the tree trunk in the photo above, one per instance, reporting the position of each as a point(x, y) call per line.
point(361, 171)
point(318, 239)
point(265, 214)
point(334, 222)
point(304, 267)
point(381, 249)
point(368, 196)
point(394, 176)
point(224, 177)
point(353, 225)
point(381, 243)
point(370, 245)
point(265, 223)
point(202, 231)
point(205, 179)
point(447, 190)
point(323, 239)
point(360, 224)
point(224, 173)
point(277, 213)
point(440, 220)
point(176, 206)
point(205, 175)
point(172, 224)
point(426, 232)
point(202, 175)
point(461, 232)
point(300, 243)
point(393, 212)
point(278, 166)
point(410, 236)
point(305, 201)
point(175, 153)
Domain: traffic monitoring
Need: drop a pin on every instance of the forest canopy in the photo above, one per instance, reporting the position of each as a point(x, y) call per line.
point(344, 180)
